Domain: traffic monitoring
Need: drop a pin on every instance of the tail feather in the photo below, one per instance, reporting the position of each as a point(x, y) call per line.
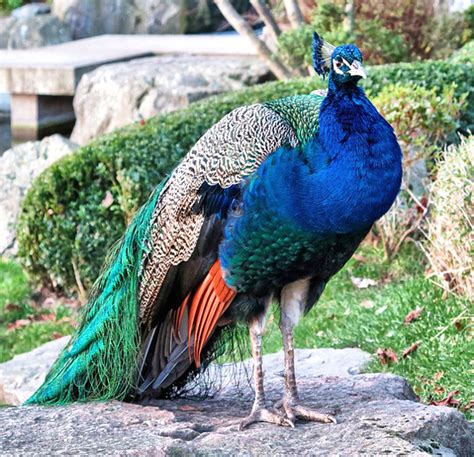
point(101, 361)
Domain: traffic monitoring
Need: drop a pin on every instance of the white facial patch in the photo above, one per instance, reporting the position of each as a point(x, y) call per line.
point(336, 68)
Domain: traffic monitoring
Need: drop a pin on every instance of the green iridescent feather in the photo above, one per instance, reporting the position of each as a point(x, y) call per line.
point(100, 362)
point(301, 112)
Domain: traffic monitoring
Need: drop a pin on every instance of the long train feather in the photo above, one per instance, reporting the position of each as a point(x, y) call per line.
point(100, 362)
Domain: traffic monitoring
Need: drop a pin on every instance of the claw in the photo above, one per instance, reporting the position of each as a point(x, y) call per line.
point(295, 411)
point(265, 415)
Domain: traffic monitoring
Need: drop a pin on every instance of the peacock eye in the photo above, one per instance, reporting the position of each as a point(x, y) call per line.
point(338, 64)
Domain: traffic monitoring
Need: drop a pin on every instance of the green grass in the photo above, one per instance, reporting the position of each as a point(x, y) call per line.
point(373, 318)
point(16, 304)
point(344, 317)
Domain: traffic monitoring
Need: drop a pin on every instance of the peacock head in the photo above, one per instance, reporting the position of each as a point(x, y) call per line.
point(343, 63)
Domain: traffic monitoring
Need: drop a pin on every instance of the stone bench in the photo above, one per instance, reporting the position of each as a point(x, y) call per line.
point(42, 82)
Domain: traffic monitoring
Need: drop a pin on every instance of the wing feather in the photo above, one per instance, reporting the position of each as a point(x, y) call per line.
point(231, 150)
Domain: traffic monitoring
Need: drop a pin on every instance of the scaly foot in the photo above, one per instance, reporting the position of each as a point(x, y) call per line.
point(262, 414)
point(295, 411)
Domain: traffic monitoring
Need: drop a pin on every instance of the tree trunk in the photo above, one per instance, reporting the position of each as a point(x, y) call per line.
point(244, 29)
point(267, 18)
point(293, 12)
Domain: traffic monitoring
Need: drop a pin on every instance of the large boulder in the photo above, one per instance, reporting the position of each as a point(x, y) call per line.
point(377, 415)
point(119, 94)
point(96, 17)
point(30, 10)
point(18, 167)
point(6, 25)
point(21, 376)
point(33, 32)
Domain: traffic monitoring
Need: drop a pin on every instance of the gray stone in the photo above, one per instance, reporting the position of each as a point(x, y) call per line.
point(88, 18)
point(18, 167)
point(96, 17)
point(22, 375)
point(36, 32)
point(30, 10)
point(377, 415)
point(6, 24)
point(119, 94)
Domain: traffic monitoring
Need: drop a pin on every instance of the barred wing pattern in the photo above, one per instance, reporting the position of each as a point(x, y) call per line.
point(230, 150)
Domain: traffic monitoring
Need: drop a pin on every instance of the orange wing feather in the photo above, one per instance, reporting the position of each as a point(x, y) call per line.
point(206, 306)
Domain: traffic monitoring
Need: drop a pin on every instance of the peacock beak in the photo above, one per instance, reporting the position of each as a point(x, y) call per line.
point(357, 69)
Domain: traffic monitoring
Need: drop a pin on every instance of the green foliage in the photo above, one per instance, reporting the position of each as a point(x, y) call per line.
point(422, 118)
point(469, 23)
point(14, 287)
point(66, 228)
point(9, 5)
point(382, 44)
point(15, 305)
point(30, 337)
point(373, 318)
point(449, 239)
point(403, 31)
point(465, 54)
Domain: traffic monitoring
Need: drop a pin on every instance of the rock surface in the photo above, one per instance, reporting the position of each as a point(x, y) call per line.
point(18, 167)
point(377, 415)
point(30, 10)
point(33, 32)
point(22, 375)
point(119, 94)
point(88, 18)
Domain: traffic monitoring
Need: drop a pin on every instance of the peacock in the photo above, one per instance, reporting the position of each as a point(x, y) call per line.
point(269, 204)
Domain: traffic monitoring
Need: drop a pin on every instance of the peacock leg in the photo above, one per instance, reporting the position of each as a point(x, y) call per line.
point(293, 300)
point(259, 412)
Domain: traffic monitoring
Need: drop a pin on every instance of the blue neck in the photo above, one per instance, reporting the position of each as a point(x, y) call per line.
point(349, 175)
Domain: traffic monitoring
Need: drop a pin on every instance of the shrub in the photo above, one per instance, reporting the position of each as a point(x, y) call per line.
point(67, 224)
point(8, 5)
point(465, 54)
point(449, 233)
point(407, 30)
point(422, 119)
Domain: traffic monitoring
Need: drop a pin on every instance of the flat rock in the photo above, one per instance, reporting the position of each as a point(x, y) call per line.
point(119, 94)
point(18, 168)
point(21, 376)
point(33, 32)
point(377, 414)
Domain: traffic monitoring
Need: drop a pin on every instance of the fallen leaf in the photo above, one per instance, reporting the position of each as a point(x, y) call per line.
point(47, 317)
point(360, 258)
point(18, 324)
point(367, 304)
point(386, 356)
point(188, 408)
point(458, 325)
point(363, 283)
point(468, 406)
point(12, 307)
point(449, 400)
point(438, 390)
point(411, 349)
point(413, 315)
point(108, 200)
point(437, 376)
point(56, 335)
